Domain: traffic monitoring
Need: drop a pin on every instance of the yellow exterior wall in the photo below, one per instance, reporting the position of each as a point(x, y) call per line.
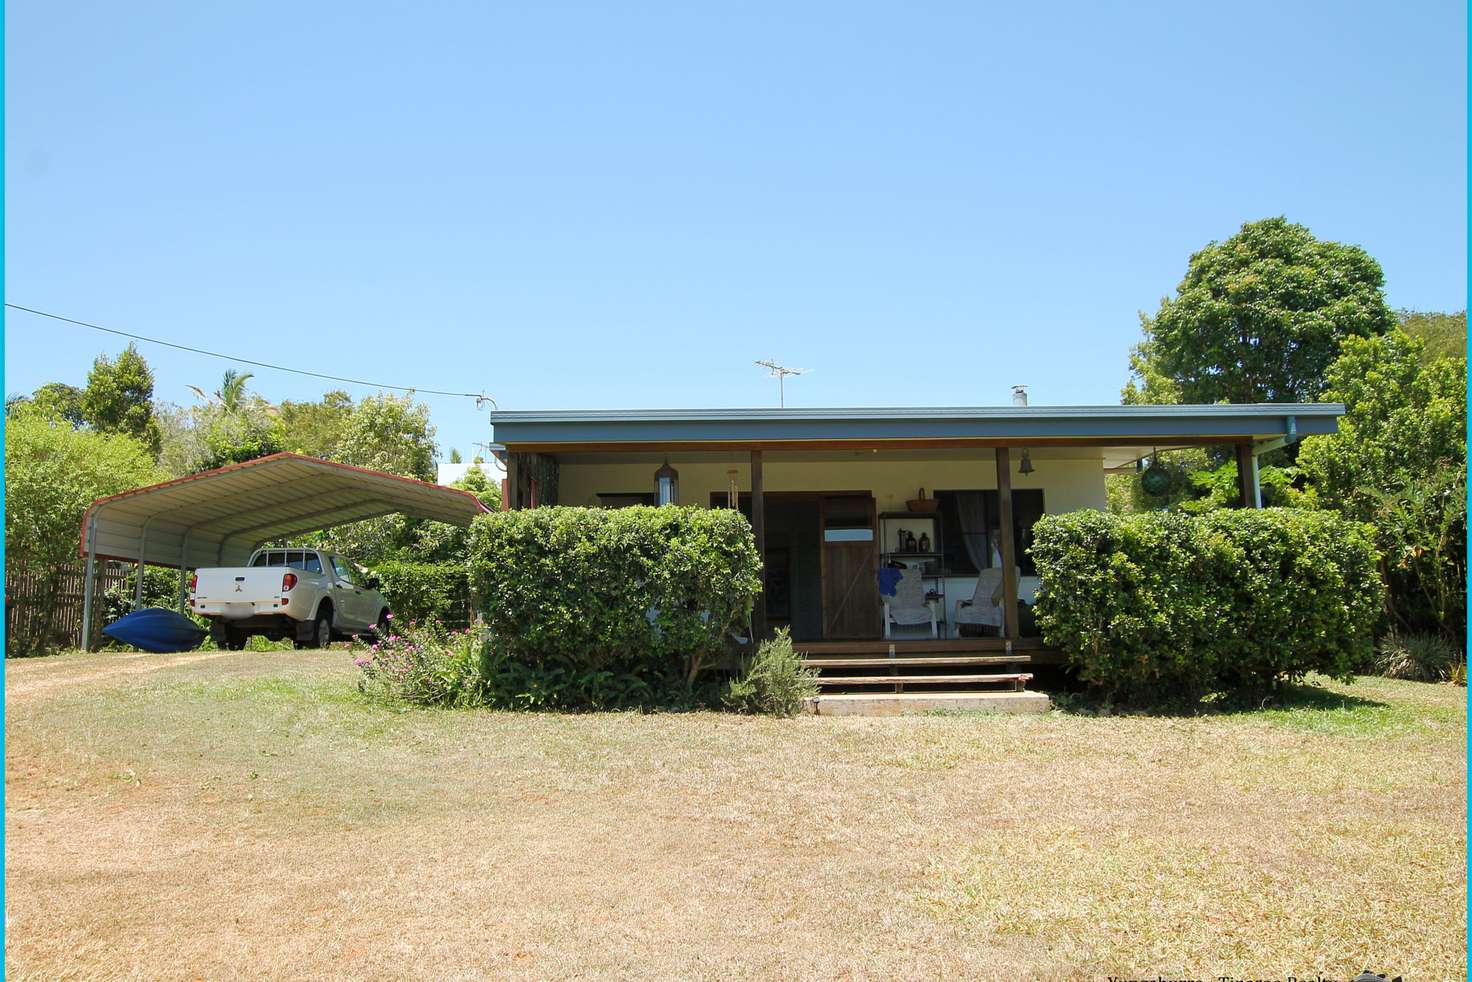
point(1067, 484)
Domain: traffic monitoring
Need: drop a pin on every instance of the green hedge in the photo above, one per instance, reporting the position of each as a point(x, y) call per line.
point(1164, 604)
point(652, 592)
point(425, 591)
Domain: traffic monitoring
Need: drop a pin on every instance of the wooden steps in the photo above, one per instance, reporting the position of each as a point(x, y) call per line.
point(968, 669)
point(1016, 679)
point(914, 661)
point(1032, 647)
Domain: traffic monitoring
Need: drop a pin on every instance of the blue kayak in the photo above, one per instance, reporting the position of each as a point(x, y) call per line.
point(158, 630)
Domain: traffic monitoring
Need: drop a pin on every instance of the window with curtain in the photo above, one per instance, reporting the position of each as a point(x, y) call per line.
point(971, 522)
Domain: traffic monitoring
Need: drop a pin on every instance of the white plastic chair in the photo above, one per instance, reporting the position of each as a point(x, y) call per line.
point(981, 608)
point(908, 606)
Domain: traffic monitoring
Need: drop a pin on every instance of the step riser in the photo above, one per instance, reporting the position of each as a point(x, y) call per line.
point(890, 704)
point(917, 661)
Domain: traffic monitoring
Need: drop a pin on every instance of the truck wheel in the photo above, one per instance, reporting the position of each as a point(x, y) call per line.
point(381, 628)
point(322, 630)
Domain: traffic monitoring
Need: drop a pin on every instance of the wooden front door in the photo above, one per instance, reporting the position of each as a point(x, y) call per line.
point(850, 554)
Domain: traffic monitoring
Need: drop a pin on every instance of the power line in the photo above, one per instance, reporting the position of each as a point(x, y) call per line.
point(479, 397)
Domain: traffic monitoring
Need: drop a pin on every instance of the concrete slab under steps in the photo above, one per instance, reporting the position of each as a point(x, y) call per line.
point(898, 704)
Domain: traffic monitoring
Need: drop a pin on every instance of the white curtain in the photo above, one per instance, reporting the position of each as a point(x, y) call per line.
point(971, 510)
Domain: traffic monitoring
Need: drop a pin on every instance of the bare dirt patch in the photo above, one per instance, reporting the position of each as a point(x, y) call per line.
point(247, 815)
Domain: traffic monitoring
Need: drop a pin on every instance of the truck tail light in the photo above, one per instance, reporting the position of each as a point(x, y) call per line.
point(193, 581)
point(288, 580)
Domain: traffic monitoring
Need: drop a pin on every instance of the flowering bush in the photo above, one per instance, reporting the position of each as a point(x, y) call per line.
point(423, 664)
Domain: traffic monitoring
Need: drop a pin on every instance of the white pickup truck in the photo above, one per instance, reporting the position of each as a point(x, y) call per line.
point(307, 595)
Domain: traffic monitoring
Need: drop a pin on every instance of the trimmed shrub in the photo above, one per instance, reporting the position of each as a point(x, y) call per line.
point(1162, 605)
point(774, 682)
point(1421, 658)
point(425, 591)
point(653, 594)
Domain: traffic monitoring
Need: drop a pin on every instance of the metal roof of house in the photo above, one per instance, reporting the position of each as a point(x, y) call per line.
point(219, 517)
point(1262, 421)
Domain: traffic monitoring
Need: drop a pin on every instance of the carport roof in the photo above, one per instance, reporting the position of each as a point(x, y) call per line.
point(219, 517)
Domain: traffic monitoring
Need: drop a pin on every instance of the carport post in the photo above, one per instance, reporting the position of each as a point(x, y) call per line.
point(142, 548)
point(183, 551)
point(87, 583)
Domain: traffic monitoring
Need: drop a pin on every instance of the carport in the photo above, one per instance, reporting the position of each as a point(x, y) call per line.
point(219, 517)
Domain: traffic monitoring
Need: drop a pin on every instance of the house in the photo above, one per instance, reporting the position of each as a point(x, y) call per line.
point(857, 556)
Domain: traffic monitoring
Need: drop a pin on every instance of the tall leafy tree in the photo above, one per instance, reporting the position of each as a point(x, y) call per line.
point(234, 426)
point(249, 432)
point(1399, 462)
point(57, 400)
point(1259, 317)
point(119, 397)
point(387, 433)
point(390, 433)
point(52, 473)
point(314, 428)
point(1442, 335)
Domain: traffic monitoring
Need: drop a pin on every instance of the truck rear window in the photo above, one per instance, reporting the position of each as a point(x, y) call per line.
point(307, 562)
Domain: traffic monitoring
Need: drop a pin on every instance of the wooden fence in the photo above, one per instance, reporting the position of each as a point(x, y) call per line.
point(43, 605)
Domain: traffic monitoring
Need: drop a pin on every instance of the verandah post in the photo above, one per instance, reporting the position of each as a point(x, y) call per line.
point(1247, 490)
point(1008, 544)
point(513, 481)
point(759, 532)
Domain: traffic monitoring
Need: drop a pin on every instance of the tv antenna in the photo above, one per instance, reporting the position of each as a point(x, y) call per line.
point(780, 373)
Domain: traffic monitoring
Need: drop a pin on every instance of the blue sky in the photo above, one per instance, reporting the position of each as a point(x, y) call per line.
point(618, 206)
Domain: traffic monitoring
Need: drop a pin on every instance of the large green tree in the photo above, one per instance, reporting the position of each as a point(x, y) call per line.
point(1443, 335)
point(387, 433)
point(119, 397)
point(1399, 462)
point(234, 426)
point(57, 400)
point(52, 473)
point(314, 428)
point(251, 431)
point(1258, 317)
point(390, 433)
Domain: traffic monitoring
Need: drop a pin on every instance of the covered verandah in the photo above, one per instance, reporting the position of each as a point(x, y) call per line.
point(830, 494)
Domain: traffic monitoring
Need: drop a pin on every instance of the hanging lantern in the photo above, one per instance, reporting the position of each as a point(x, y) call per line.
point(1025, 467)
point(667, 485)
point(1155, 479)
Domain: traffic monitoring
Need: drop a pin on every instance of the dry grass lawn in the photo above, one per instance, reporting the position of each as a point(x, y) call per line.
point(246, 815)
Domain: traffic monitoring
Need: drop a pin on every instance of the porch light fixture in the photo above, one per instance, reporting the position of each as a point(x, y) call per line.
point(667, 485)
point(1025, 466)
